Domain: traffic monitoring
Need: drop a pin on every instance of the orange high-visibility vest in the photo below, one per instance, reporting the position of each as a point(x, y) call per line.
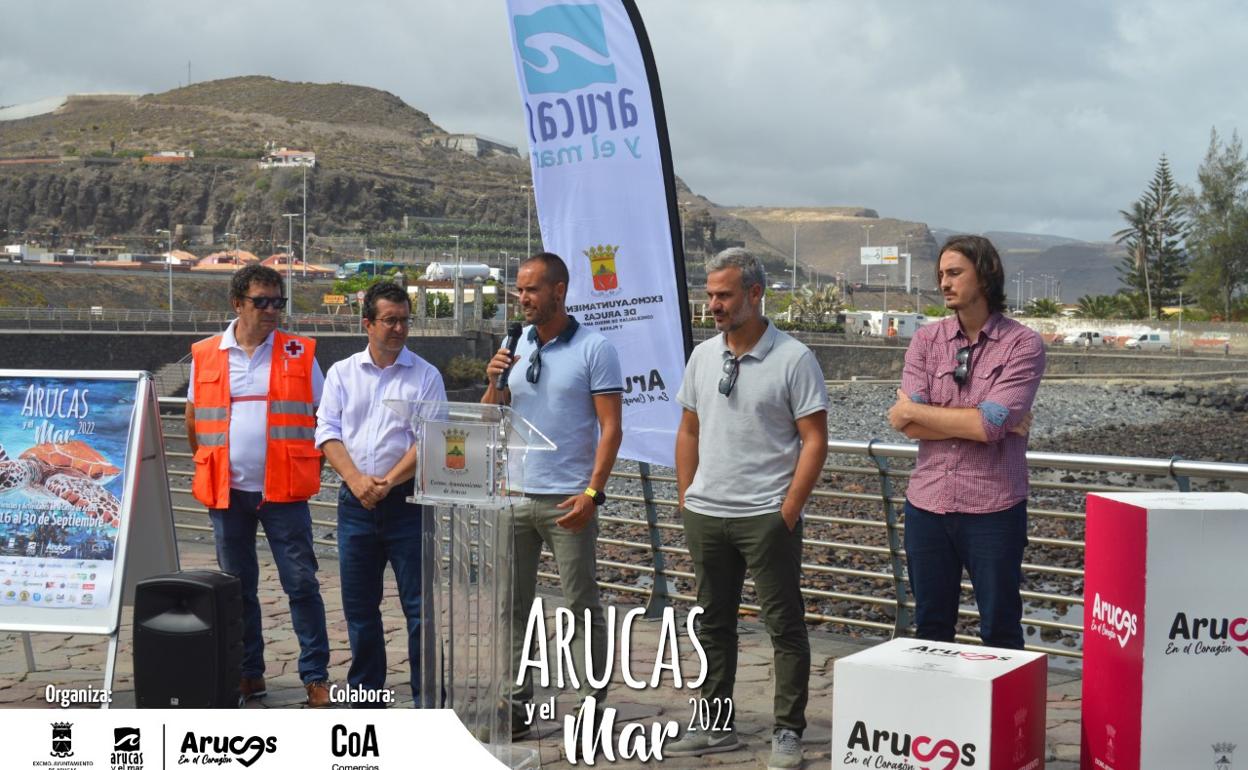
point(292, 467)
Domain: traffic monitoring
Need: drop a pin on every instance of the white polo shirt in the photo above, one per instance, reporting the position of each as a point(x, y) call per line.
point(249, 408)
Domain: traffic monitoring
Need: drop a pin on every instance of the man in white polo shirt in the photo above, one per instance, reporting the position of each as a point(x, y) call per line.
point(751, 444)
point(250, 421)
point(374, 451)
point(567, 383)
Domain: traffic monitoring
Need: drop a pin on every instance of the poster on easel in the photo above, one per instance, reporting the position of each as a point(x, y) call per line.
point(77, 450)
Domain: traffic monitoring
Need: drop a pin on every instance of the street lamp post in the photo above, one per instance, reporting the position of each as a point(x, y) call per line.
point(506, 259)
point(908, 271)
point(528, 218)
point(793, 288)
point(867, 229)
point(459, 274)
point(303, 252)
point(169, 270)
point(290, 266)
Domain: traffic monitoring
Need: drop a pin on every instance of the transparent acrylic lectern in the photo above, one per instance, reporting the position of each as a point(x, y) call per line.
point(469, 470)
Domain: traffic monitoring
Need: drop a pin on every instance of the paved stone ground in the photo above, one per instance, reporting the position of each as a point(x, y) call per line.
point(78, 661)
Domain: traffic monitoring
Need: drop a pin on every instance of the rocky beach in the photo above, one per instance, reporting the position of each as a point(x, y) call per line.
point(1196, 421)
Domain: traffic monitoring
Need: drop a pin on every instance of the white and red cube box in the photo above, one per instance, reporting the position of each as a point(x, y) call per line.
point(1165, 643)
point(943, 706)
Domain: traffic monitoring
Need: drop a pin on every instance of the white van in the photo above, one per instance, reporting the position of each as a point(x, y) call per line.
point(1149, 341)
point(1086, 340)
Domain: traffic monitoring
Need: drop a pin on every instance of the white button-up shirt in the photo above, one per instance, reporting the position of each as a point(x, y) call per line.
point(249, 407)
point(352, 410)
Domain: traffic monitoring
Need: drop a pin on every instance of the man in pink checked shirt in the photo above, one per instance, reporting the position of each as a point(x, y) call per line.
point(966, 394)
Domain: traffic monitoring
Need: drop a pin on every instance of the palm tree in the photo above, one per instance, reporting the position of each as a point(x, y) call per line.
point(1136, 238)
point(816, 307)
point(1097, 306)
point(1132, 304)
point(1044, 308)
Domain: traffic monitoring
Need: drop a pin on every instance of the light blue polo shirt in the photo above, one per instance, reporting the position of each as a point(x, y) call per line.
point(577, 365)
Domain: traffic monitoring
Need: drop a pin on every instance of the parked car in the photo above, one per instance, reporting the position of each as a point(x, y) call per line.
point(1085, 339)
point(1149, 341)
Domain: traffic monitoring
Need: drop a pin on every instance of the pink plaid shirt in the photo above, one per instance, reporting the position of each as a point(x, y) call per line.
point(960, 475)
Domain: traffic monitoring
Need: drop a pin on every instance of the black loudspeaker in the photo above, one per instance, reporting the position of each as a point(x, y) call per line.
point(188, 640)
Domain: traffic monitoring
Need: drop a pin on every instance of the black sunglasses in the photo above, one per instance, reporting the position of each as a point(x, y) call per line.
point(535, 367)
point(732, 367)
point(963, 369)
point(264, 303)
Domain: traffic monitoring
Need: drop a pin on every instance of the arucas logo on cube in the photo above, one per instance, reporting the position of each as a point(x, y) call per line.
point(938, 706)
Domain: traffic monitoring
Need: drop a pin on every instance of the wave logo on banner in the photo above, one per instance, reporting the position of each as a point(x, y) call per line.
point(564, 47)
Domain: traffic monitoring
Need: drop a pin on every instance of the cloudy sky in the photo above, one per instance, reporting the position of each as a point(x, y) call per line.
point(1008, 115)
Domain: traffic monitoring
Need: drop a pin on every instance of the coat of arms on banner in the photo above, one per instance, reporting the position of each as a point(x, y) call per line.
point(62, 739)
point(456, 449)
point(602, 268)
point(1223, 752)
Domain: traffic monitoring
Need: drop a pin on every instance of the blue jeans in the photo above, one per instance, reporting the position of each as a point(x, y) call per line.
point(391, 532)
point(990, 546)
point(289, 529)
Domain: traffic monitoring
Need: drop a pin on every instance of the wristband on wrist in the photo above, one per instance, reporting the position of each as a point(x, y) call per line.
point(598, 497)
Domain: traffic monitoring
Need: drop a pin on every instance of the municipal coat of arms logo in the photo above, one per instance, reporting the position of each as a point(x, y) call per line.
point(456, 449)
point(1222, 755)
point(62, 739)
point(602, 268)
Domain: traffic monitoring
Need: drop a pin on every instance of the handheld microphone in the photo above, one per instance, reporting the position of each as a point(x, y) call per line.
point(513, 339)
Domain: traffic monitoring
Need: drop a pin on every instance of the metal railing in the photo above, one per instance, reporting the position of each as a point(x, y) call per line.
point(853, 535)
point(209, 321)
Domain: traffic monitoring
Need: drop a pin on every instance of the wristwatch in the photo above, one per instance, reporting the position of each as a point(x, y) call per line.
point(598, 497)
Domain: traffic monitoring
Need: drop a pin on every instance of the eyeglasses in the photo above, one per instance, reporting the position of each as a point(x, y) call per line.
point(535, 367)
point(963, 369)
point(400, 322)
point(264, 303)
point(731, 368)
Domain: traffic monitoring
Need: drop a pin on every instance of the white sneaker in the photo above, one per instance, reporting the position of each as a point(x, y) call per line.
point(695, 744)
point(786, 749)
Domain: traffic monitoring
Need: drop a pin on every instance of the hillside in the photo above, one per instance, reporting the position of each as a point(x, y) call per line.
point(377, 160)
point(380, 160)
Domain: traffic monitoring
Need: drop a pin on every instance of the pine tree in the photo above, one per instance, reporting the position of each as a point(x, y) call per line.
point(1156, 262)
point(1218, 239)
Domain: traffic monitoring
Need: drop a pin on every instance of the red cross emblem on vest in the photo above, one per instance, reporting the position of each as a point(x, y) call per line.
point(294, 348)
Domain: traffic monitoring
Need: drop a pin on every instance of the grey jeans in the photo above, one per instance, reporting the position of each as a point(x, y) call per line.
point(723, 549)
point(534, 524)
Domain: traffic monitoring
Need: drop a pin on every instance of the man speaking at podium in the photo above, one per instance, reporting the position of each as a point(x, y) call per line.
point(567, 383)
point(374, 451)
point(250, 421)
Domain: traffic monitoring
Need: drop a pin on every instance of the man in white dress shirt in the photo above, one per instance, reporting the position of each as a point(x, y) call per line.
point(374, 450)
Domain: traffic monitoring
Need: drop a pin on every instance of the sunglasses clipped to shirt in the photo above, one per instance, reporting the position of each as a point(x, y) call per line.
point(264, 303)
point(732, 367)
point(535, 366)
point(962, 371)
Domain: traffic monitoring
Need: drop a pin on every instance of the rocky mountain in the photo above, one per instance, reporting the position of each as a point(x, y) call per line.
point(378, 160)
point(74, 176)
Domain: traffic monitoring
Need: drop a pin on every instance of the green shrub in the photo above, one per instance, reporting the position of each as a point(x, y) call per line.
point(463, 372)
